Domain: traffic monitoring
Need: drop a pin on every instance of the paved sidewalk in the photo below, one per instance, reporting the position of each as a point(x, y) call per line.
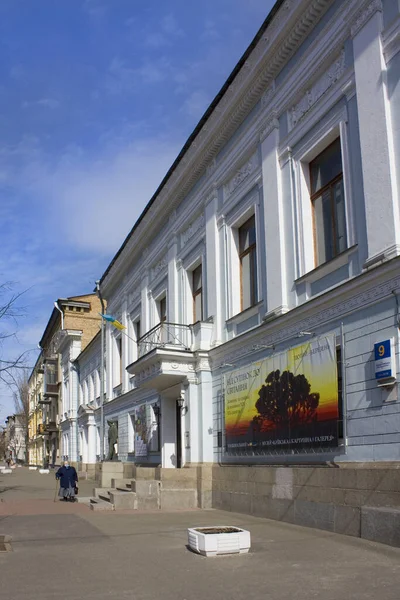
point(143, 556)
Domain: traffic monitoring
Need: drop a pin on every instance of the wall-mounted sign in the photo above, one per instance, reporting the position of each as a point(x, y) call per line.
point(385, 360)
point(288, 401)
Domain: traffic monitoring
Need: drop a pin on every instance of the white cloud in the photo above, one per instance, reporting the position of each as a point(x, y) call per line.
point(124, 79)
point(94, 8)
point(156, 40)
point(195, 105)
point(210, 32)
point(51, 103)
point(100, 203)
point(170, 26)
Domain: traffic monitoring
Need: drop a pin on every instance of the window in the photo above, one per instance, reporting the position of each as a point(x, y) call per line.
point(248, 263)
point(327, 197)
point(197, 291)
point(162, 314)
point(162, 309)
point(137, 330)
point(118, 365)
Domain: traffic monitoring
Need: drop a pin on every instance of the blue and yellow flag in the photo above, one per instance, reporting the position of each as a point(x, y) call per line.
point(114, 322)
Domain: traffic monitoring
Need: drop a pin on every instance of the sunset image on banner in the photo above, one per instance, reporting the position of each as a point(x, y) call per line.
point(288, 400)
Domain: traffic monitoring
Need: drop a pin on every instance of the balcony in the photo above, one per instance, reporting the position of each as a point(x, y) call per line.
point(165, 335)
point(168, 354)
point(50, 427)
point(50, 380)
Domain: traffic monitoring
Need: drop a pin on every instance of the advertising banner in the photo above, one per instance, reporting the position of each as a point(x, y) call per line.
point(287, 401)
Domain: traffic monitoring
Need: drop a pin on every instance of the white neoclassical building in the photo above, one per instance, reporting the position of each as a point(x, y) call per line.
point(272, 243)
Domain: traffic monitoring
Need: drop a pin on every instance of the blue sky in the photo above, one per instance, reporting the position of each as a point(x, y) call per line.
point(96, 99)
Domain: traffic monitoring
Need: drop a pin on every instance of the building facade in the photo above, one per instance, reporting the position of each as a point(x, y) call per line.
point(36, 444)
point(15, 441)
point(276, 233)
point(54, 381)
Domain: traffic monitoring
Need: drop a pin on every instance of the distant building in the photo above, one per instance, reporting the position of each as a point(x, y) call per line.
point(36, 445)
point(73, 323)
point(15, 438)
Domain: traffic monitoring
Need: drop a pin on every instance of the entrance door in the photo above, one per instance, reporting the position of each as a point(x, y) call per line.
point(178, 436)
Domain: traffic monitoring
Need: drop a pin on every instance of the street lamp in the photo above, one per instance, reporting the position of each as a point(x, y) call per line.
point(180, 402)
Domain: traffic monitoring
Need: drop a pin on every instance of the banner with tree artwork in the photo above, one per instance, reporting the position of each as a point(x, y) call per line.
point(287, 401)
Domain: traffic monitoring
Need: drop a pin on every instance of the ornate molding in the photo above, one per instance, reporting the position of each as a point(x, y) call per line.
point(391, 40)
point(268, 94)
point(241, 175)
point(158, 267)
point(322, 85)
point(364, 15)
point(282, 37)
point(211, 168)
point(270, 124)
point(221, 221)
point(193, 228)
point(310, 323)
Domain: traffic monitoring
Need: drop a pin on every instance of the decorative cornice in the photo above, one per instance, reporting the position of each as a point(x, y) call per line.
point(242, 174)
point(364, 15)
point(391, 40)
point(266, 60)
point(322, 85)
point(327, 311)
point(196, 226)
point(267, 95)
point(270, 124)
point(211, 168)
point(161, 265)
point(221, 221)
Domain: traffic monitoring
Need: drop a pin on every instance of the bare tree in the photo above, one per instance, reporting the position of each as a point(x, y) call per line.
point(21, 405)
point(9, 312)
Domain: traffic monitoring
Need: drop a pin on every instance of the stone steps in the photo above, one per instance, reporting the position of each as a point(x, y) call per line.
point(99, 505)
point(121, 483)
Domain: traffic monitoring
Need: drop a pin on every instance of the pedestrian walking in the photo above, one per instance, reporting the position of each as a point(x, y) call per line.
point(68, 478)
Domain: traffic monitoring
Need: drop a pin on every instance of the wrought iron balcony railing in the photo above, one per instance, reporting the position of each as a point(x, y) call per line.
point(165, 335)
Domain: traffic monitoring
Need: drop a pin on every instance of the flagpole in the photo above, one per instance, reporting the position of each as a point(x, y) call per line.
point(102, 352)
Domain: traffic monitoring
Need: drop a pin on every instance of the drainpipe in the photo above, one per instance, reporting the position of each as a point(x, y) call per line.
point(61, 313)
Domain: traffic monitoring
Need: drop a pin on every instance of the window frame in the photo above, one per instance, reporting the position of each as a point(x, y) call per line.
point(197, 292)
point(317, 194)
point(307, 145)
point(251, 251)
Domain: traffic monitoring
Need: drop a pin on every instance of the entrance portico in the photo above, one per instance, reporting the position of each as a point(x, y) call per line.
point(182, 379)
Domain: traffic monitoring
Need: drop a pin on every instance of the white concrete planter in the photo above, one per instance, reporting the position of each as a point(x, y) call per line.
point(213, 541)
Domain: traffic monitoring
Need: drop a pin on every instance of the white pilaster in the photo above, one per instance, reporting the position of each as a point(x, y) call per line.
point(192, 423)
point(145, 317)
point(168, 433)
point(91, 451)
point(206, 416)
point(125, 348)
point(173, 295)
point(212, 272)
point(109, 364)
point(274, 221)
point(380, 193)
